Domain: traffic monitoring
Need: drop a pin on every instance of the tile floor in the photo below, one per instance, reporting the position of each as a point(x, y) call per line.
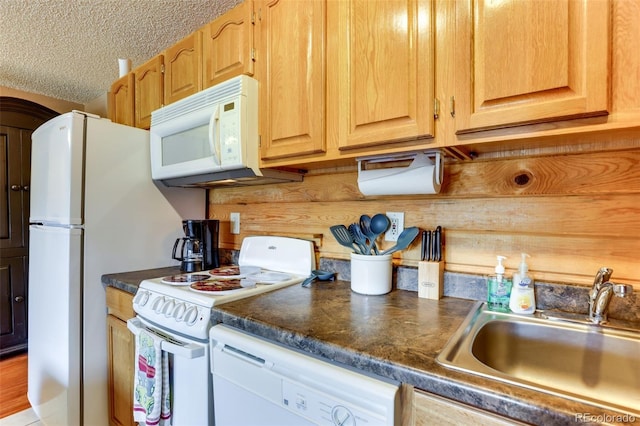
point(23, 418)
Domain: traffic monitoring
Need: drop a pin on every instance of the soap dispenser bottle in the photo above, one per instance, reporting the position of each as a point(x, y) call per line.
point(522, 300)
point(499, 289)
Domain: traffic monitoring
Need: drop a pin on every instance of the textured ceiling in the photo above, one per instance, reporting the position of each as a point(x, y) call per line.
point(69, 49)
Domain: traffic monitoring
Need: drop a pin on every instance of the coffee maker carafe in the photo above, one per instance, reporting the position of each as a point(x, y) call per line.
point(198, 249)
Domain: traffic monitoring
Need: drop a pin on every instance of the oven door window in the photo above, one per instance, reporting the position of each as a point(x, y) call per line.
point(189, 145)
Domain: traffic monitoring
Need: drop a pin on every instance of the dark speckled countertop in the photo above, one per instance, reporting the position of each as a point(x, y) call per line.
point(397, 335)
point(129, 281)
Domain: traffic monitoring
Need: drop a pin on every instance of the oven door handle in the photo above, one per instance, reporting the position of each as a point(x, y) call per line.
point(169, 344)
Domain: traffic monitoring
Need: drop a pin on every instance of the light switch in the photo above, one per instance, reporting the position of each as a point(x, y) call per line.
point(234, 218)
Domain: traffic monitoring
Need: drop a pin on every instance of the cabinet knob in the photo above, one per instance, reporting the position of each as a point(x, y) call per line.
point(16, 187)
point(25, 188)
point(19, 299)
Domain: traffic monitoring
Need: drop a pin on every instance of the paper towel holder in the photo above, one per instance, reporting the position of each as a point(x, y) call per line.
point(434, 155)
point(424, 175)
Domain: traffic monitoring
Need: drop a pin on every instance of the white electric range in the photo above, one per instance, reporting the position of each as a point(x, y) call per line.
point(177, 310)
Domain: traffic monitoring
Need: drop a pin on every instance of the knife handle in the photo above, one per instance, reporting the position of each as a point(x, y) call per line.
point(427, 248)
point(424, 244)
point(438, 244)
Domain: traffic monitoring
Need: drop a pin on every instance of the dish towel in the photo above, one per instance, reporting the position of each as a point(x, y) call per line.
point(151, 393)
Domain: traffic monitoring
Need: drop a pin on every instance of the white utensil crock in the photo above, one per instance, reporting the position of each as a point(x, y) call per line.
point(371, 274)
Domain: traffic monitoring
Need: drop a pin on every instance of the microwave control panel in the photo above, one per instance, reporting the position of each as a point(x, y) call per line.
point(230, 146)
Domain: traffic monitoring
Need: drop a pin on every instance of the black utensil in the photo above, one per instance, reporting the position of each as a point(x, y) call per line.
point(405, 238)
point(317, 274)
point(343, 236)
point(437, 243)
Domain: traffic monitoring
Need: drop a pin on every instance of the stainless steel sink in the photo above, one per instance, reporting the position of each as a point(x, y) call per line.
point(590, 363)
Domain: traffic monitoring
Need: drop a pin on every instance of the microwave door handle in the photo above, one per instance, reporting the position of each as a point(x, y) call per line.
point(214, 135)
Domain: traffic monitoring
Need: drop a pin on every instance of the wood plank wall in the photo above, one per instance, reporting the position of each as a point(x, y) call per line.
point(572, 213)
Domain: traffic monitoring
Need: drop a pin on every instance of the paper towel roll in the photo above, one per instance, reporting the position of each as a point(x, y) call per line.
point(422, 176)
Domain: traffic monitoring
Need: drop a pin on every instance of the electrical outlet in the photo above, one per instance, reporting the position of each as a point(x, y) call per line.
point(234, 219)
point(396, 226)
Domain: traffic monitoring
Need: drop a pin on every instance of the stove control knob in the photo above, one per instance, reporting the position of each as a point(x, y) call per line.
point(178, 313)
point(191, 315)
point(157, 303)
point(167, 308)
point(142, 297)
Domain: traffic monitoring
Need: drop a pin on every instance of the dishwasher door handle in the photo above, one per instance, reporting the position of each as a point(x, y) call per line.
point(168, 344)
point(245, 356)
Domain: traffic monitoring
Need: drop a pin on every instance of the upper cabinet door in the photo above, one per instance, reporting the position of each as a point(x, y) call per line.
point(521, 62)
point(228, 45)
point(183, 68)
point(149, 88)
point(381, 71)
point(121, 100)
point(291, 71)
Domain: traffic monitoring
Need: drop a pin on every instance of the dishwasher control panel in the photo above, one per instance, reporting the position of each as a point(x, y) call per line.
point(323, 409)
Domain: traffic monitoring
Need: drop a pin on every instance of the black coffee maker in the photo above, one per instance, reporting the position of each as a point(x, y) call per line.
point(198, 249)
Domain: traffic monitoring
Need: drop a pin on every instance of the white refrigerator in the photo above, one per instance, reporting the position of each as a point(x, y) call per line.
point(94, 210)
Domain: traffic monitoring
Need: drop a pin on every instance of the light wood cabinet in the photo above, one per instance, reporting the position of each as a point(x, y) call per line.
point(429, 409)
point(380, 73)
point(220, 50)
point(525, 62)
point(574, 85)
point(166, 78)
point(148, 89)
point(495, 76)
point(351, 78)
point(183, 68)
point(348, 78)
point(121, 100)
point(229, 45)
point(291, 69)
point(121, 357)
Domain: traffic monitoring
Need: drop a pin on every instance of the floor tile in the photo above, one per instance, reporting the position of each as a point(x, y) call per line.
point(23, 418)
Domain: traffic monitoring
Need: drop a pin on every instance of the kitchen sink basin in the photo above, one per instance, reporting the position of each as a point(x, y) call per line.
point(590, 363)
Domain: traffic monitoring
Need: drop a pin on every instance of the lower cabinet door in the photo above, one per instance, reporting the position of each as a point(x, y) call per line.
point(434, 410)
point(121, 346)
point(13, 304)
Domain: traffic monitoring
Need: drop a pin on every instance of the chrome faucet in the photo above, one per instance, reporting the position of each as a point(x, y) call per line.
point(601, 293)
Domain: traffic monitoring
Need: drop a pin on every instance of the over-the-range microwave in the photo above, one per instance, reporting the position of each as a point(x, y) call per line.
point(211, 138)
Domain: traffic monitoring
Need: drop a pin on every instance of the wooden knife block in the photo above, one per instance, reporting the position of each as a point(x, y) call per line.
point(430, 279)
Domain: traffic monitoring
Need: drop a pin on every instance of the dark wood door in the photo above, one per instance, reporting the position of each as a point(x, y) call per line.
point(18, 120)
point(13, 304)
point(15, 154)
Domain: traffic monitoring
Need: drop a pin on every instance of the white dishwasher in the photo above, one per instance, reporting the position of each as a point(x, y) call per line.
point(258, 383)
